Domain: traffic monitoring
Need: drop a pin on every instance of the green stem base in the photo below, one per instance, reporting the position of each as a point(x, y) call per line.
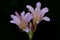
point(30, 35)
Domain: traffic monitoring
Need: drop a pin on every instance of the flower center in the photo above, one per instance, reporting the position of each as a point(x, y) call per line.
point(23, 25)
point(36, 18)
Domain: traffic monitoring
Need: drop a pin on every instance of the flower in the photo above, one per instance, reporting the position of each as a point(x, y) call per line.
point(38, 13)
point(21, 20)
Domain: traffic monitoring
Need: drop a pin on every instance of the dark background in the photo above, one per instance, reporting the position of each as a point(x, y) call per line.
point(45, 30)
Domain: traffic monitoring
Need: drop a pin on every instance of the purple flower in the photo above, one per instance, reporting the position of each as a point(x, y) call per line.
point(21, 20)
point(38, 13)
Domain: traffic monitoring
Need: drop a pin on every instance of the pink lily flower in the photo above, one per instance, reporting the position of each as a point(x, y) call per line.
point(22, 20)
point(38, 13)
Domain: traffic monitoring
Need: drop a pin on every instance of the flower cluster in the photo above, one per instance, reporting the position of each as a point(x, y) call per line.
point(35, 15)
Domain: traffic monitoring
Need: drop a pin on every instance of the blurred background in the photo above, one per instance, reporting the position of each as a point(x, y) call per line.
point(45, 30)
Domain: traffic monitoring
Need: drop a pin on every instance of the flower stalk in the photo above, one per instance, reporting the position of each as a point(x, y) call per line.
point(30, 34)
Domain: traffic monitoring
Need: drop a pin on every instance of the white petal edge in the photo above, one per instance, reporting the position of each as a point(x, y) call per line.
point(15, 18)
point(46, 18)
point(26, 30)
point(30, 8)
point(44, 10)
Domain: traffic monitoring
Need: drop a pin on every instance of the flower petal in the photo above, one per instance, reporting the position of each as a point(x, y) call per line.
point(26, 30)
point(15, 18)
point(46, 18)
point(17, 14)
point(38, 9)
point(44, 10)
point(30, 8)
point(28, 17)
point(13, 21)
point(38, 4)
point(22, 14)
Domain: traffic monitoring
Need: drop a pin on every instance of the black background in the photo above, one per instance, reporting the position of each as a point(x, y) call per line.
point(45, 30)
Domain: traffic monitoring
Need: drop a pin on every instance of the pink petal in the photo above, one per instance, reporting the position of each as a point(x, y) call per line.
point(46, 18)
point(17, 14)
point(38, 8)
point(22, 14)
point(15, 18)
point(44, 10)
point(12, 21)
point(38, 4)
point(28, 17)
point(30, 8)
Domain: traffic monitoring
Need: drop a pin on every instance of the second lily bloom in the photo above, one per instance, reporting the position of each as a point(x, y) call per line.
point(38, 14)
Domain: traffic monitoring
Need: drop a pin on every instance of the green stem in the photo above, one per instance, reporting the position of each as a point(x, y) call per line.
point(30, 35)
point(30, 39)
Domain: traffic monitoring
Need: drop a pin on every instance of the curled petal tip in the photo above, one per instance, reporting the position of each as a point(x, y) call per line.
point(46, 18)
point(27, 6)
point(38, 4)
point(15, 11)
point(22, 14)
point(12, 16)
point(45, 10)
point(12, 21)
point(30, 8)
